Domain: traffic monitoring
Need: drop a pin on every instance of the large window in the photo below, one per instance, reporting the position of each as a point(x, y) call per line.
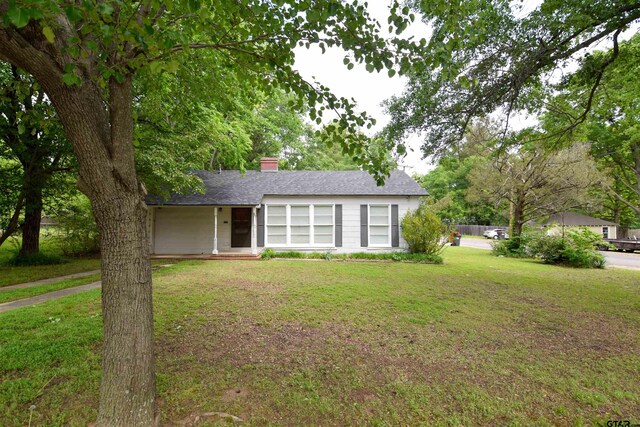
point(323, 224)
point(299, 225)
point(277, 224)
point(379, 225)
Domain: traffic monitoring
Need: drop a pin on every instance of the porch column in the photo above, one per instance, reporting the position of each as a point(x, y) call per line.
point(254, 231)
point(215, 231)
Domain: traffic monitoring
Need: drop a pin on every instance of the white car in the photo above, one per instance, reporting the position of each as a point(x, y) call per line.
point(496, 233)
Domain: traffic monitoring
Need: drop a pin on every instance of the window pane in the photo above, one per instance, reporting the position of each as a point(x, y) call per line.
point(276, 215)
point(300, 234)
point(277, 234)
point(379, 240)
point(379, 235)
point(379, 210)
point(379, 215)
point(377, 230)
point(300, 239)
point(299, 220)
point(299, 215)
point(323, 210)
point(379, 220)
point(300, 210)
point(323, 238)
point(323, 229)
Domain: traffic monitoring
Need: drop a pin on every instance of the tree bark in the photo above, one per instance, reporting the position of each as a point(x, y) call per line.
point(13, 224)
point(518, 216)
point(32, 211)
point(127, 391)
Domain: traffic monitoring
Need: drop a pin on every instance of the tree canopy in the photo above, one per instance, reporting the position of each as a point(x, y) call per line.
point(611, 126)
point(488, 56)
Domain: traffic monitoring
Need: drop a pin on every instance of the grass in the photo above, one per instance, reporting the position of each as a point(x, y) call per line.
point(478, 340)
point(11, 275)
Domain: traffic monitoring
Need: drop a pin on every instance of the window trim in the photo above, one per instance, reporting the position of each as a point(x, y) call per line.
point(379, 245)
point(312, 243)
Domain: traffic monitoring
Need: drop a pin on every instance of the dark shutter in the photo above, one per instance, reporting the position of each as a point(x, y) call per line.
point(338, 237)
point(364, 226)
point(395, 228)
point(261, 226)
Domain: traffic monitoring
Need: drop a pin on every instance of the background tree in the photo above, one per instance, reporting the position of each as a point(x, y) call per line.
point(85, 57)
point(448, 182)
point(483, 57)
point(35, 151)
point(611, 126)
point(536, 182)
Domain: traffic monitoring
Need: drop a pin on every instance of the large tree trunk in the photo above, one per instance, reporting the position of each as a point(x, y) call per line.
point(102, 140)
point(517, 221)
point(32, 211)
point(127, 391)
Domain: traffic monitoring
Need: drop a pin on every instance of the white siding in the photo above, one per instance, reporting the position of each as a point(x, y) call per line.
point(351, 217)
point(188, 230)
point(183, 230)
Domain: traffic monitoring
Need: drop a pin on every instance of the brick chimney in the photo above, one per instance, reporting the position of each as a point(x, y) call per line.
point(268, 164)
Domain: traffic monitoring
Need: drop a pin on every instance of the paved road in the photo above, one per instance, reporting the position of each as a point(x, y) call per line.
point(614, 259)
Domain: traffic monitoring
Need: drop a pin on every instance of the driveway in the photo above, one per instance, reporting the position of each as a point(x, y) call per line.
point(614, 259)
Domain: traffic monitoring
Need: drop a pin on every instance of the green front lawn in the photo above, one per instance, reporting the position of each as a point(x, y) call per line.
point(10, 275)
point(478, 340)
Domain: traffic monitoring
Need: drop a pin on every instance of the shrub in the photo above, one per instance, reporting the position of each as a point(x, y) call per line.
point(268, 253)
point(39, 258)
point(77, 231)
point(515, 247)
point(328, 256)
point(578, 248)
point(424, 232)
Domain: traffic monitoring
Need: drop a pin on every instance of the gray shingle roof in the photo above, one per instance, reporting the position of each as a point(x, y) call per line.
point(235, 188)
point(576, 219)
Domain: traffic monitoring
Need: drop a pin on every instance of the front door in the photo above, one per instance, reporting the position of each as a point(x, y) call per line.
point(240, 227)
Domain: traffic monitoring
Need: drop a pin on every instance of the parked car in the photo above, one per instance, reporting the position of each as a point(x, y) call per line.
point(496, 233)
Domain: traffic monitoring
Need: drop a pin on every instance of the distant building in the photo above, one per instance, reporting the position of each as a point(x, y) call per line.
point(557, 222)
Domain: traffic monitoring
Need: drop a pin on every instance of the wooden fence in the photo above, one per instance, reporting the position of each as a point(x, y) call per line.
point(477, 230)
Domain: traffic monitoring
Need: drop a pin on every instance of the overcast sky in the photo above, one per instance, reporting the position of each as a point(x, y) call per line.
point(368, 89)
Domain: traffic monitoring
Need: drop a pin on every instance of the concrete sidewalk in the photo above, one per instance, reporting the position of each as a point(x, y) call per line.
point(12, 305)
point(49, 281)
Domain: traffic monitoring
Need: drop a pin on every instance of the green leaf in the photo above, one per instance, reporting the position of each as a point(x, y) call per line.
point(172, 66)
point(391, 73)
point(71, 79)
point(48, 33)
point(21, 128)
point(18, 17)
point(370, 68)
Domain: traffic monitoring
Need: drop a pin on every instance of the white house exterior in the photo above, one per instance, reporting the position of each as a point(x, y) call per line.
point(337, 211)
point(559, 221)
